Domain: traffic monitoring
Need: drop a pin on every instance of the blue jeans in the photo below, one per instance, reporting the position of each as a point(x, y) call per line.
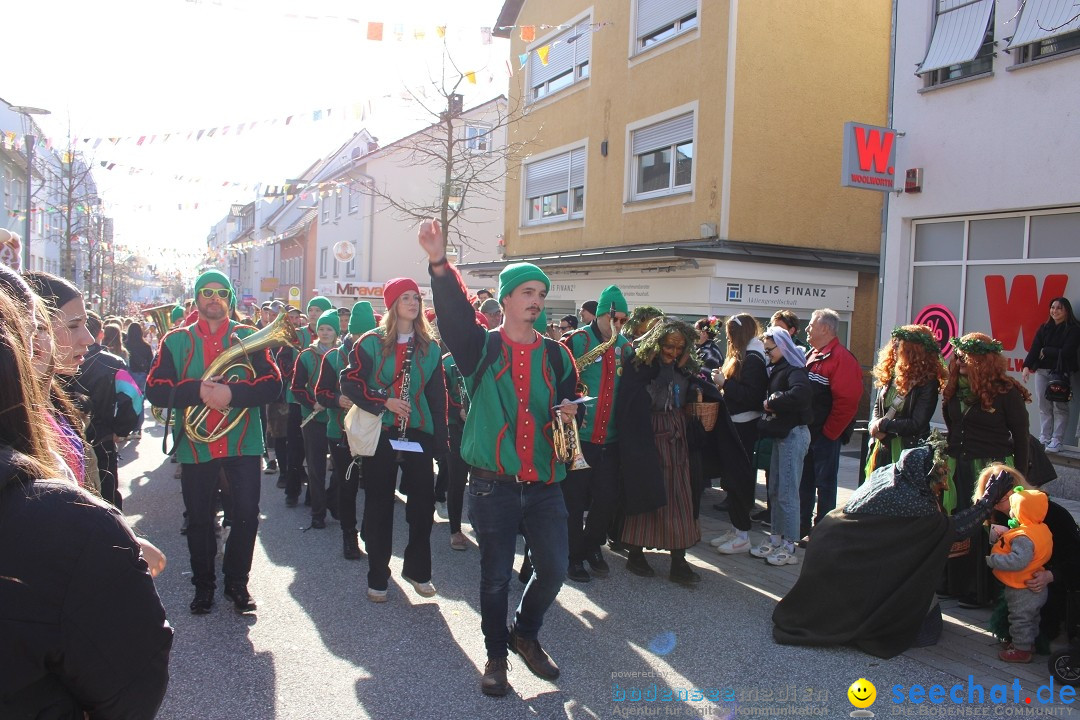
point(818, 477)
point(785, 469)
point(498, 511)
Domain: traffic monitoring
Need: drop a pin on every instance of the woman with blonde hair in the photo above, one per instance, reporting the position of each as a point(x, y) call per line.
point(744, 381)
point(908, 376)
point(396, 371)
point(987, 420)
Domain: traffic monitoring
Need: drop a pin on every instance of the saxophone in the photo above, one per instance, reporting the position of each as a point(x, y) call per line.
point(567, 441)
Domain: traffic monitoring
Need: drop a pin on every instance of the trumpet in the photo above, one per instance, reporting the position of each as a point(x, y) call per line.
point(276, 334)
point(566, 444)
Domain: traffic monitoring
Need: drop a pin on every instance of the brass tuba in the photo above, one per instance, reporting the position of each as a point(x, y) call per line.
point(276, 334)
point(161, 316)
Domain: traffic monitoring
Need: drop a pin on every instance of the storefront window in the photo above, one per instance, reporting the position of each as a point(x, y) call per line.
point(1055, 236)
point(997, 239)
point(939, 241)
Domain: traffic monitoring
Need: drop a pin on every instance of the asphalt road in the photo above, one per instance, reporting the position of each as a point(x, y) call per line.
point(317, 648)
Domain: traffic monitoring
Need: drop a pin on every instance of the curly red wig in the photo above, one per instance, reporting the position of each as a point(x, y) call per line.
point(909, 363)
point(986, 374)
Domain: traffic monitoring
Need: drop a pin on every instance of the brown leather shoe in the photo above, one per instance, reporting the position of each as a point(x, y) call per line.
point(494, 681)
point(534, 656)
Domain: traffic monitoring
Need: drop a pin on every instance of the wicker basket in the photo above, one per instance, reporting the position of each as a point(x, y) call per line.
point(706, 412)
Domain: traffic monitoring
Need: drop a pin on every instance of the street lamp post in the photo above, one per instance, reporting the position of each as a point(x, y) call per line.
point(30, 142)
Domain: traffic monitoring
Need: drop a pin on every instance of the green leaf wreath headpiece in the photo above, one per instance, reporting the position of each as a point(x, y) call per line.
point(916, 336)
point(939, 443)
point(976, 346)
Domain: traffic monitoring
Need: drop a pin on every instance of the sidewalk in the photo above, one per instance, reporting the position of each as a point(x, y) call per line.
point(966, 647)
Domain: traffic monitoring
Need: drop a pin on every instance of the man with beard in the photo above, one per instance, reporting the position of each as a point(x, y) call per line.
point(175, 381)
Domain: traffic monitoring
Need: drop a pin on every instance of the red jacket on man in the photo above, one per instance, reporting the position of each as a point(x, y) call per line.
point(836, 378)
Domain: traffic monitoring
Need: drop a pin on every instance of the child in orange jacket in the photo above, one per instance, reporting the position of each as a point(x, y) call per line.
point(1018, 552)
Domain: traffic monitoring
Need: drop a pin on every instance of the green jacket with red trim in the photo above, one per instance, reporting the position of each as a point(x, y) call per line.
point(305, 373)
point(510, 422)
point(601, 380)
point(374, 375)
point(176, 376)
point(328, 390)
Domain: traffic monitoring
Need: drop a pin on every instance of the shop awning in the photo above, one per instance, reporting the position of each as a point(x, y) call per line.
point(1044, 19)
point(687, 253)
point(958, 33)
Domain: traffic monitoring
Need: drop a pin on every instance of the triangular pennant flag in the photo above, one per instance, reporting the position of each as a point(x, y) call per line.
point(374, 31)
point(528, 33)
point(523, 58)
point(141, 140)
point(471, 77)
point(317, 115)
point(440, 30)
point(542, 53)
point(418, 34)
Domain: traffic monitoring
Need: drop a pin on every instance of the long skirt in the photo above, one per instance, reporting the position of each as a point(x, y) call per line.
point(672, 527)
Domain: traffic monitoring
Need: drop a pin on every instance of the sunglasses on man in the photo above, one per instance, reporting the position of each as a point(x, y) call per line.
point(208, 293)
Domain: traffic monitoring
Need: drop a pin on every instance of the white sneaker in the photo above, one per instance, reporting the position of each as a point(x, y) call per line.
point(734, 546)
point(1053, 446)
point(782, 557)
point(376, 596)
point(764, 550)
point(1043, 441)
point(718, 541)
point(440, 509)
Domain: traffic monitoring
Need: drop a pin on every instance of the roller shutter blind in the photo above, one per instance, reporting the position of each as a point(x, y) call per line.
point(664, 134)
point(655, 14)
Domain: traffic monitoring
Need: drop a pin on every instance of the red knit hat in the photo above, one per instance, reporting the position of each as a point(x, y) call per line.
point(394, 287)
point(482, 321)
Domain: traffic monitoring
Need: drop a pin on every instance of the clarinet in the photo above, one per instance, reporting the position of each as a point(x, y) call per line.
point(406, 387)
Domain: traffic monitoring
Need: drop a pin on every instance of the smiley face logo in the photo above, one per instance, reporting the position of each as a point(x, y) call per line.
point(862, 693)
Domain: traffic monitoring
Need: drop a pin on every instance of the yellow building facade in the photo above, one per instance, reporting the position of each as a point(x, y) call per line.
point(690, 149)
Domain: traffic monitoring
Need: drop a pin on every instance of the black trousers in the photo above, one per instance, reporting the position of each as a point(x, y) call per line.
point(105, 451)
point(594, 489)
point(457, 472)
point(345, 482)
point(294, 477)
point(380, 479)
point(740, 493)
point(199, 482)
point(315, 449)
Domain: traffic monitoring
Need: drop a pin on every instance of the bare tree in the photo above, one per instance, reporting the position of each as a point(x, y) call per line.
point(77, 208)
point(472, 168)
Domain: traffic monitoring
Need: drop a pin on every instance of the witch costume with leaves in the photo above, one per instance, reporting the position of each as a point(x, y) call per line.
point(886, 547)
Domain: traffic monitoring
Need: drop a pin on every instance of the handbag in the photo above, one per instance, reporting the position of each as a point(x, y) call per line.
point(363, 430)
point(1058, 384)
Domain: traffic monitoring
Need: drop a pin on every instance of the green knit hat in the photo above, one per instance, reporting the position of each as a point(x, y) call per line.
point(330, 319)
point(518, 273)
point(215, 276)
point(612, 295)
point(320, 302)
point(176, 315)
point(362, 319)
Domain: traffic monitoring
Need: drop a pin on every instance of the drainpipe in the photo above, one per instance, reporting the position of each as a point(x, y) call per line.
point(888, 195)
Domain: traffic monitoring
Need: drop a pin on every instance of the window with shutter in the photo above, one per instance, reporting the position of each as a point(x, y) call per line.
point(663, 158)
point(660, 20)
point(962, 44)
point(554, 188)
point(568, 56)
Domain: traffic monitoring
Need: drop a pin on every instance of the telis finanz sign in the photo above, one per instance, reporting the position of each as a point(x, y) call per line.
point(869, 160)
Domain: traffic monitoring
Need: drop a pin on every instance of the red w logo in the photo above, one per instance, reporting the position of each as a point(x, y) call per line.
point(1024, 308)
point(874, 149)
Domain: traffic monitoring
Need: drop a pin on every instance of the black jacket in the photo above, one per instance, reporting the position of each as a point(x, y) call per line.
point(1052, 340)
point(81, 625)
point(912, 422)
point(96, 380)
point(140, 356)
point(981, 435)
point(746, 391)
point(790, 394)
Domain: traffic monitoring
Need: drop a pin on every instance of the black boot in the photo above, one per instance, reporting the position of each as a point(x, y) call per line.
point(681, 572)
point(352, 549)
point(636, 562)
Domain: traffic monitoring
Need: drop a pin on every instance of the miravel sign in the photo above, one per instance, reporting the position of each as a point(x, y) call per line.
point(869, 160)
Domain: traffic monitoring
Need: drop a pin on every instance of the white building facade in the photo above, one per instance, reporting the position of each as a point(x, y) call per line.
point(990, 118)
